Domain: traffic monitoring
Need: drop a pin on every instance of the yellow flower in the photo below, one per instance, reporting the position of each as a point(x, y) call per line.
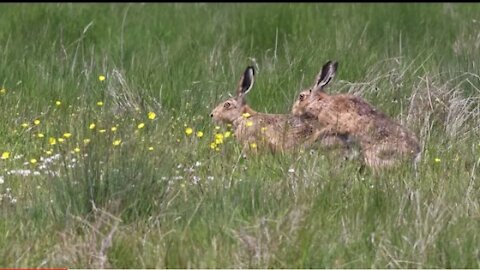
point(100, 103)
point(102, 130)
point(263, 129)
point(246, 115)
point(217, 127)
point(5, 155)
point(219, 138)
point(229, 125)
point(227, 134)
point(141, 125)
point(92, 126)
point(101, 78)
point(117, 142)
point(76, 150)
point(52, 141)
point(199, 134)
point(213, 145)
point(60, 140)
point(86, 141)
point(249, 123)
point(437, 160)
point(24, 125)
point(150, 148)
point(36, 122)
point(33, 161)
point(114, 129)
point(188, 131)
point(151, 115)
point(48, 152)
point(67, 135)
point(40, 135)
point(58, 103)
point(3, 91)
point(253, 145)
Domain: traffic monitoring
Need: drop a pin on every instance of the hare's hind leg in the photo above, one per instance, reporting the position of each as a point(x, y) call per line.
point(380, 156)
point(416, 162)
point(387, 156)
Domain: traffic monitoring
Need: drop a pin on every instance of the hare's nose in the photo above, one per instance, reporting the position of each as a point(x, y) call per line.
point(211, 115)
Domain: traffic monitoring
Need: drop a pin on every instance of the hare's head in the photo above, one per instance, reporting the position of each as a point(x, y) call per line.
point(316, 91)
point(232, 108)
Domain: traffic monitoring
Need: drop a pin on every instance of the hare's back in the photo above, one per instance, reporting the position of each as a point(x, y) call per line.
point(365, 109)
point(286, 125)
point(301, 126)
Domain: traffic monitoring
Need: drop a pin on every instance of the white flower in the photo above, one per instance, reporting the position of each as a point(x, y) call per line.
point(20, 172)
point(291, 170)
point(2, 180)
point(196, 179)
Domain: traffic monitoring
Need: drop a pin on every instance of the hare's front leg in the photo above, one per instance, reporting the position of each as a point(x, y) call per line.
point(249, 148)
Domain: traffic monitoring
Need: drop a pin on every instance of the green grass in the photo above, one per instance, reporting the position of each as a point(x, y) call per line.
point(162, 199)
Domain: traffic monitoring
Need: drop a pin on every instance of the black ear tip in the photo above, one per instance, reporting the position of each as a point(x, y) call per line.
point(251, 68)
point(330, 63)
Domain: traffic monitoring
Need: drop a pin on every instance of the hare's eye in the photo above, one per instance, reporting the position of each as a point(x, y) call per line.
point(301, 97)
point(226, 105)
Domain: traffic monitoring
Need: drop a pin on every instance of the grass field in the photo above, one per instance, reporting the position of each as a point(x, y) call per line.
point(97, 170)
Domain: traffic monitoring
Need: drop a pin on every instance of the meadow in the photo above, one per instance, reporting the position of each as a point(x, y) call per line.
point(109, 158)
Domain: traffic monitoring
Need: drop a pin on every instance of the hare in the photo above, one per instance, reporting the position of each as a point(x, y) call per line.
point(277, 132)
point(383, 142)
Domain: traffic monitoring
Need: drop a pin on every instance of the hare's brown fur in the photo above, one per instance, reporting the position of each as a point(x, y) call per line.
point(383, 142)
point(277, 132)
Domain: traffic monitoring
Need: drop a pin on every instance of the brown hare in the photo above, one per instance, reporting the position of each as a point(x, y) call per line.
point(276, 132)
point(383, 142)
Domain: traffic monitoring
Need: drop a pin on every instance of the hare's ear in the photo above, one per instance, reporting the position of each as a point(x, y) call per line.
point(246, 82)
point(326, 75)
